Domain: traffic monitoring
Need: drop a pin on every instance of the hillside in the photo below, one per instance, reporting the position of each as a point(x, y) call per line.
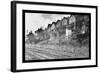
point(64, 39)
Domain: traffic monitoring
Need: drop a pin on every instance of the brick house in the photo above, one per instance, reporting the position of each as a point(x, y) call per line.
point(52, 31)
point(57, 29)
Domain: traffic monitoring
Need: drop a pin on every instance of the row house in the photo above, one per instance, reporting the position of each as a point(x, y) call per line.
point(57, 29)
point(64, 27)
point(71, 26)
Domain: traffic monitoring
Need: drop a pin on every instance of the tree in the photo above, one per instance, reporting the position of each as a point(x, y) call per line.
point(30, 37)
point(39, 30)
point(82, 28)
point(30, 34)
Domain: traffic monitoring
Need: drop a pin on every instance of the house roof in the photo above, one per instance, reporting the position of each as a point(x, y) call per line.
point(49, 25)
point(57, 21)
point(53, 22)
point(65, 18)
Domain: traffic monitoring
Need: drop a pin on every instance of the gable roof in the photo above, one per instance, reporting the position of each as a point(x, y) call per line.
point(49, 25)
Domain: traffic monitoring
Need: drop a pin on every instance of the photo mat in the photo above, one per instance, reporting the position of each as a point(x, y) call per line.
point(56, 36)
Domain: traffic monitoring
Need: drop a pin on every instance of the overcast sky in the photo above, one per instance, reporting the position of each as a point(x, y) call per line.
point(33, 21)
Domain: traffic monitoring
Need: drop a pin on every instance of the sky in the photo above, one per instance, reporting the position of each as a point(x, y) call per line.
point(33, 21)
